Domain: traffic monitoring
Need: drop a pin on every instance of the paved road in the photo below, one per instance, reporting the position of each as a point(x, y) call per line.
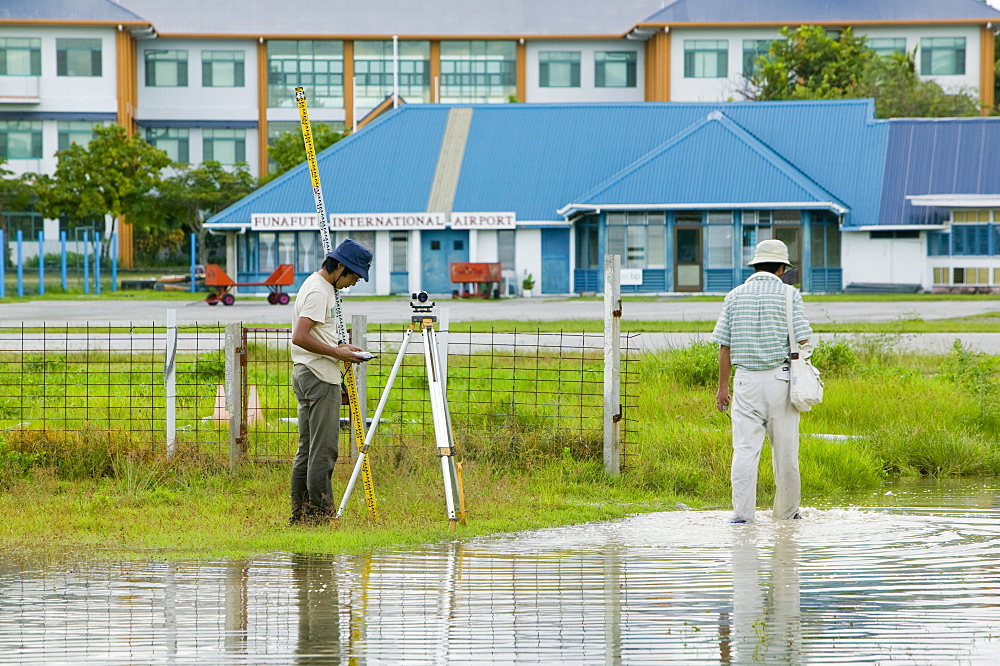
point(252, 312)
point(259, 312)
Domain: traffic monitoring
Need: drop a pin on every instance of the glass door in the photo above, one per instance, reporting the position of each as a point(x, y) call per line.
point(687, 270)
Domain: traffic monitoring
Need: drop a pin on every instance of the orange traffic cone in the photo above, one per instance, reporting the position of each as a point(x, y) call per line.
point(254, 412)
point(220, 413)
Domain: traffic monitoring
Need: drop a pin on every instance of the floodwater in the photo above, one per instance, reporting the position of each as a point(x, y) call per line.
point(909, 575)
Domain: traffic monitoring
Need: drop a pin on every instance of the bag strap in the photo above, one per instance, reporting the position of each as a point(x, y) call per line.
point(793, 344)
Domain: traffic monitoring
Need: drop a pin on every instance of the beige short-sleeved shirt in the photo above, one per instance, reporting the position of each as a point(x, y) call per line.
point(316, 300)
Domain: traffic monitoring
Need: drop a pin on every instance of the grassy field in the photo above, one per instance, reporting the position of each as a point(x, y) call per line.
point(900, 415)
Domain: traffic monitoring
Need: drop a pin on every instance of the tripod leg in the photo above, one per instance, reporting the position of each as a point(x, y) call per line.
point(443, 434)
point(363, 451)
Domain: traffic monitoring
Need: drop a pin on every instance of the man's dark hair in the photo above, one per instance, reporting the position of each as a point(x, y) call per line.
point(768, 266)
point(330, 265)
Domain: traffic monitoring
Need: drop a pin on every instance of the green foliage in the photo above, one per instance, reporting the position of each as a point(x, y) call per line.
point(209, 367)
point(808, 63)
point(193, 194)
point(976, 373)
point(113, 175)
point(694, 366)
point(288, 150)
point(833, 358)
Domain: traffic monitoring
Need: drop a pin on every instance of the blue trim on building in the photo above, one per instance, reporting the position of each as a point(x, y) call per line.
point(66, 116)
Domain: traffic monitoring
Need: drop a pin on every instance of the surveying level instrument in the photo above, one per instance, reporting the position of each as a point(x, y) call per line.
point(422, 321)
point(350, 384)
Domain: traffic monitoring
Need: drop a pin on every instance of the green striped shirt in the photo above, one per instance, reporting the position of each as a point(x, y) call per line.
point(753, 325)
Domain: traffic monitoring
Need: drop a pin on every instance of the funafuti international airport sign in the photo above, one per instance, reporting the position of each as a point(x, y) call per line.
point(382, 221)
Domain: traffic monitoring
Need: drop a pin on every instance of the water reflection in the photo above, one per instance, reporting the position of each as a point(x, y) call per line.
point(765, 623)
point(912, 576)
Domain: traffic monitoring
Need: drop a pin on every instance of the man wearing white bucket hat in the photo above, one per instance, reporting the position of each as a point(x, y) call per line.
point(752, 333)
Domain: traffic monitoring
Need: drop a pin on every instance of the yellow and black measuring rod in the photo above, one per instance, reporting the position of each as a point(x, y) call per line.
point(350, 383)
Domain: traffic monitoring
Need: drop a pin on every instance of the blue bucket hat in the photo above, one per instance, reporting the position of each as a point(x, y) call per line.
point(355, 256)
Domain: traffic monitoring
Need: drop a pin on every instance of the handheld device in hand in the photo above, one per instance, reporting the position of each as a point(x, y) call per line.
point(365, 356)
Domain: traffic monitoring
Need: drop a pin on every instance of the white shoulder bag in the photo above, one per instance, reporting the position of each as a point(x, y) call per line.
point(805, 388)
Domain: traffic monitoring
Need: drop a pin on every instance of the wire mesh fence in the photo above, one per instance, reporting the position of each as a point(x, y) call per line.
point(508, 392)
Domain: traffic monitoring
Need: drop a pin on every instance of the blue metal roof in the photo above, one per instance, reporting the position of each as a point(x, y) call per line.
point(843, 12)
point(937, 156)
point(387, 166)
point(743, 173)
point(535, 159)
point(66, 10)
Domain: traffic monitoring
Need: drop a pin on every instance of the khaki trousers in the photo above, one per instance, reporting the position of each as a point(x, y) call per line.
point(761, 406)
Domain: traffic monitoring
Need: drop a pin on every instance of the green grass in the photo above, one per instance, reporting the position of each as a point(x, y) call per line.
point(904, 415)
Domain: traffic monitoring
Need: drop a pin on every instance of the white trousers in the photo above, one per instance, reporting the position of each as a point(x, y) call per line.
point(761, 406)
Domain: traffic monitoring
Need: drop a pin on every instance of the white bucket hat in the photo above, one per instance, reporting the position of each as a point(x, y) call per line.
point(771, 252)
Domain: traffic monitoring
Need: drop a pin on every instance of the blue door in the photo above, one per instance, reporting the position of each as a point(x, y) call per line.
point(555, 261)
point(438, 249)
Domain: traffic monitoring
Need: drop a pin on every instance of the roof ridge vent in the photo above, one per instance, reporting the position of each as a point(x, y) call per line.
point(715, 115)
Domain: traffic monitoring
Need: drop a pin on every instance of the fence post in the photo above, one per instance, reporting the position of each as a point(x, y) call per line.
point(359, 337)
point(612, 363)
point(444, 323)
point(3, 265)
point(170, 381)
point(20, 264)
point(62, 261)
point(234, 391)
point(41, 263)
point(97, 263)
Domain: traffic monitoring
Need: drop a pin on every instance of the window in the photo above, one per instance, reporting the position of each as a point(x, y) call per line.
point(559, 69)
point(706, 58)
point(825, 245)
point(20, 56)
point(639, 238)
point(399, 245)
point(887, 46)
point(506, 248)
point(970, 239)
point(316, 65)
point(175, 142)
point(972, 215)
point(938, 243)
point(222, 69)
point(225, 146)
point(719, 239)
point(78, 57)
point(756, 228)
point(942, 275)
point(942, 56)
point(373, 72)
point(615, 69)
point(970, 276)
point(587, 233)
point(894, 233)
point(478, 71)
point(166, 68)
point(310, 251)
point(79, 133)
point(752, 50)
point(21, 139)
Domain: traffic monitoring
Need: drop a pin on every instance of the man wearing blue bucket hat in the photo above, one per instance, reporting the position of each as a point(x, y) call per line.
point(316, 378)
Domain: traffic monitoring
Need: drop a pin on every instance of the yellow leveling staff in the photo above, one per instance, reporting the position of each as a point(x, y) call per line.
point(324, 231)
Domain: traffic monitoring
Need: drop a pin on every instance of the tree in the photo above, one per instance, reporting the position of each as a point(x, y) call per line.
point(194, 194)
point(288, 150)
point(112, 175)
point(808, 63)
point(15, 194)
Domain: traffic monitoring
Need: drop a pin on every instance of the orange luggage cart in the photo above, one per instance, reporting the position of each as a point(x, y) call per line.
point(215, 277)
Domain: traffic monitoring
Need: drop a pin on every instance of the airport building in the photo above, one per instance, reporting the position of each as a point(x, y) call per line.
point(214, 81)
